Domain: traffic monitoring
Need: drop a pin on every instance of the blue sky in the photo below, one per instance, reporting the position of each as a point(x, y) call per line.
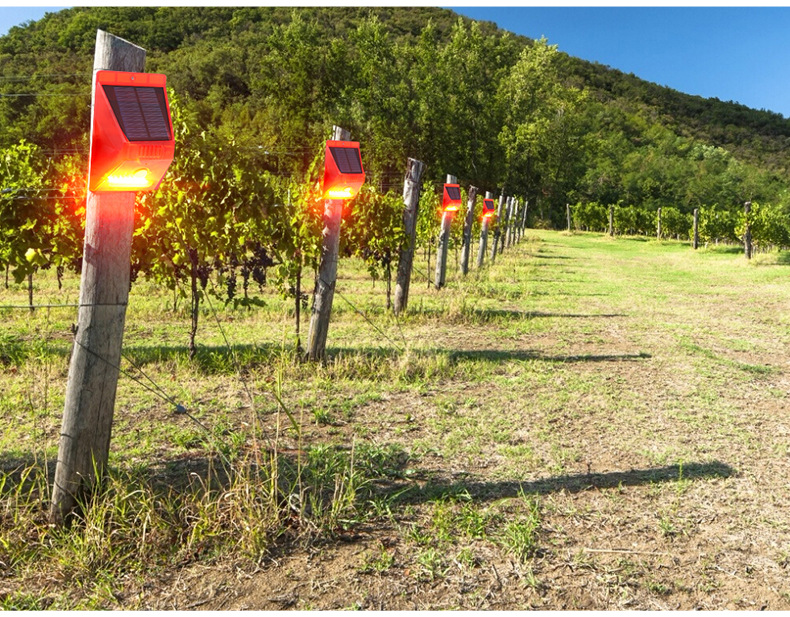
point(732, 53)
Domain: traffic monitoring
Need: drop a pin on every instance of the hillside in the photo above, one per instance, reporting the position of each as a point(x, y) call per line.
point(419, 82)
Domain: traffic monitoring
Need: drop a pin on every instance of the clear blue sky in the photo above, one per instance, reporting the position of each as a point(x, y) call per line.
point(731, 53)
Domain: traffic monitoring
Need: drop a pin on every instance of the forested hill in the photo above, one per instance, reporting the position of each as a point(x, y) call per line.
point(465, 97)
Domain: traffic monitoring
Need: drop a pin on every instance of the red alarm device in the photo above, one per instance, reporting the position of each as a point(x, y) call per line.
point(132, 142)
point(343, 173)
point(488, 208)
point(451, 201)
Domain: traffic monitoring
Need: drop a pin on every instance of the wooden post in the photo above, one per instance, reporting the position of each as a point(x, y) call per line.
point(695, 241)
point(444, 239)
point(411, 202)
point(516, 218)
point(327, 270)
point(481, 251)
point(524, 216)
point(747, 234)
point(658, 224)
point(498, 229)
point(466, 245)
point(505, 225)
point(104, 292)
point(611, 221)
point(568, 215)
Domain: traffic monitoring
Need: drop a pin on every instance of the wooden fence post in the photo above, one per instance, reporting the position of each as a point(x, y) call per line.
point(524, 216)
point(498, 228)
point(568, 215)
point(516, 219)
point(658, 224)
point(695, 241)
point(508, 222)
point(466, 245)
point(411, 202)
point(327, 270)
point(104, 292)
point(481, 251)
point(444, 239)
point(747, 234)
point(611, 221)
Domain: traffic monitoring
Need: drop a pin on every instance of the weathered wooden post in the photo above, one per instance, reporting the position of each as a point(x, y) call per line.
point(747, 233)
point(516, 219)
point(508, 222)
point(695, 240)
point(104, 284)
point(568, 216)
point(524, 216)
point(451, 203)
point(611, 220)
point(343, 161)
point(498, 228)
point(466, 244)
point(488, 212)
point(658, 224)
point(411, 201)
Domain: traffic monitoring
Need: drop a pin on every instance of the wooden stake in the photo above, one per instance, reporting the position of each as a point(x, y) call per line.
point(411, 202)
point(611, 221)
point(444, 239)
point(466, 244)
point(568, 215)
point(747, 234)
point(327, 271)
point(658, 225)
point(509, 223)
point(104, 292)
point(481, 251)
point(695, 241)
point(498, 228)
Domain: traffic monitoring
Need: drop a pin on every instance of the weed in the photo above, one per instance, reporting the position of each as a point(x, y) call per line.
point(520, 537)
point(378, 562)
point(432, 564)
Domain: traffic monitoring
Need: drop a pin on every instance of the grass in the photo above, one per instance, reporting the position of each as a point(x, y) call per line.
point(558, 402)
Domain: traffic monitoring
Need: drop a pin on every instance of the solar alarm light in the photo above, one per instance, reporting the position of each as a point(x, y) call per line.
point(451, 201)
point(132, 142)
point(343, 173)
point(488, 208)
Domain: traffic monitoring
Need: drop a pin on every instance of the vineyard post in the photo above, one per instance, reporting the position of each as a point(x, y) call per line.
point(327, 270)
point(747, 233)
point(411, 201)
point(509, 223)
point(658, 225)
point(466, 247)
point(611, 221)
point(522, 224)
point(695, 243)
point(503, 237)
point(481, 252)
point(104, 292)
point(512, 224)
point(498, 228)
point(444, 239)
point(516, 218)
point(568, 215)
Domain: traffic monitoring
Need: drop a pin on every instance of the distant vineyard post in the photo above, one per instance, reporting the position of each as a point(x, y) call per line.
point(481, 252)
point(568, 215)
point(104, 292)
point(695, 242)
point(444, 239)
point(466, 247)
point(524, 216)
point(498, 228)
point(658, 224)
point(611, 221)
point(508, 223)
point(327, 270)
point(747, 234)
point(411, 202)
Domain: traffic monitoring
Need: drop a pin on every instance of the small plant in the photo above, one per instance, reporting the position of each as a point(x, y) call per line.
point(432, 564)
point(520, 537)
point(378, 562)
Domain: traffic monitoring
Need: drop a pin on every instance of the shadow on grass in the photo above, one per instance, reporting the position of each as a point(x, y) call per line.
point(500, 355)
point(572, 483)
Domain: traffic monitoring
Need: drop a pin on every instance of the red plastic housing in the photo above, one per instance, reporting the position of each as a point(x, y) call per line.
point(451, 202)
point(488, 208)
point(132, 142)
point(343, 172)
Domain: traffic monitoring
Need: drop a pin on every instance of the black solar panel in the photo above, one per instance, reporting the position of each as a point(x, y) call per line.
point(453, 192)
point(346, 159)
point(141, 111)
point(489, 204)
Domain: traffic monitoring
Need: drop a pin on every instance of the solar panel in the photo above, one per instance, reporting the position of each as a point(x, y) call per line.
point(453, 192)
point(346, 159)
point(141, 112)
point(489, 204)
